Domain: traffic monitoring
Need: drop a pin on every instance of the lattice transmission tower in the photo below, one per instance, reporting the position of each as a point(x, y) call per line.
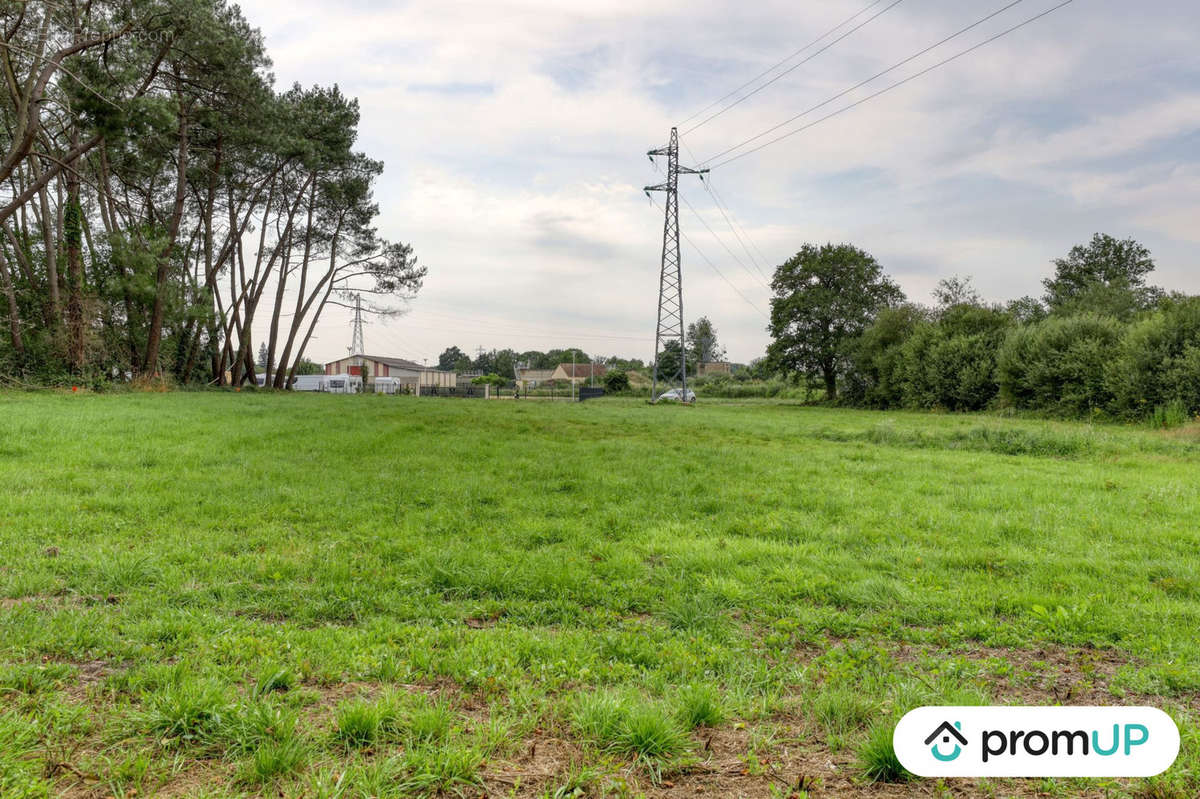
point(670, 282)
point(357, 347)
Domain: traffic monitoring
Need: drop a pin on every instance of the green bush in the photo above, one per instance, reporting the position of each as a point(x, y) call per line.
point(755, 389)
point(616, 381)
point(952, 364)
point(1158, 362)
point(876, 375)
point(1058, 364)
point(490, 380)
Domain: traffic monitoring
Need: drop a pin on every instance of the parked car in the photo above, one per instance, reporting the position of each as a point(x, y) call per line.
point(677, 395)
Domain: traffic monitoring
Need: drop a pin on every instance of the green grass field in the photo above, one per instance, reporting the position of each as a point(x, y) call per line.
point(218, 595)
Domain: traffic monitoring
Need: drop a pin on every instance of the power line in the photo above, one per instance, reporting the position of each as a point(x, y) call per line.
point(883, 91)
point(720, 241)
point(714, 267)
point(794, 67)
point(780, 63)
point(724, 208)
point(860, 84)
point(731, 222)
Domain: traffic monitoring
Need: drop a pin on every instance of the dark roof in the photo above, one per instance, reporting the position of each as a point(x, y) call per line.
point(399, 363)
point(583, 369)
point(396, 363)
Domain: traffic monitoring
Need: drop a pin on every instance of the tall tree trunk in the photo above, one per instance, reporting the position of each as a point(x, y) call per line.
point(303, 303)
point(46, 222)
point(14, 313)
point(73, 236)
point(154, 335)
point(830, 374)
point(312, 325)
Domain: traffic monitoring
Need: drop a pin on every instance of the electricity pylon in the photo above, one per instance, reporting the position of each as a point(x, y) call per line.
point(356, 344)
point(670, 281)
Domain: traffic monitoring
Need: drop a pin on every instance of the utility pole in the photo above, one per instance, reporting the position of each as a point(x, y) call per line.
point(670, 281)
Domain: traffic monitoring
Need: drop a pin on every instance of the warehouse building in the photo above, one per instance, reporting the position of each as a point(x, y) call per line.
point(580, 372)
point(532, 378)
point(400, 371)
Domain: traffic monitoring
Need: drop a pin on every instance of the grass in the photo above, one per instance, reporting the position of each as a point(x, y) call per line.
point(877, 757)
point(252, 594)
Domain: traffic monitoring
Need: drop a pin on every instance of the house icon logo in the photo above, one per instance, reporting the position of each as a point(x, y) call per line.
point(946, 731)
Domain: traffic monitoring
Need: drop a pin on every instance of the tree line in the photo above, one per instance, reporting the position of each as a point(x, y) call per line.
point(701, 340)
point(161, 199)
point(1100, 339)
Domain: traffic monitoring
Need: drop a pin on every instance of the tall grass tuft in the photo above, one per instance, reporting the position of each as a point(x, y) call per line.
point(357, 725)
point(273, 678)
point(651, 735)
point(877, 757)
point(840, 711)
point(273, 761)
point(1173, 414)
point(190, 710)
point(440, 769)
point(699, 706)
point(631, 726)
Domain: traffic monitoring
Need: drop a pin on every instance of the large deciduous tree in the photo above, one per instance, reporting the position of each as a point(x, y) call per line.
point(824, 297)
point(1106, 276)
point(449, 359)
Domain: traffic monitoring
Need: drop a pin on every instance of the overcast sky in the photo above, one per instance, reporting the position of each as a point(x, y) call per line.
point(514, 135)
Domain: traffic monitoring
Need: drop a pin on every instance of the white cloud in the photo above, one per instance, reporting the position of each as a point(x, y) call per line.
point(514, 130)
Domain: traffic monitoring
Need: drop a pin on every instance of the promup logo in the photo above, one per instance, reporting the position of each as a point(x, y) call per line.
point(1036, 741)
point(947, 731)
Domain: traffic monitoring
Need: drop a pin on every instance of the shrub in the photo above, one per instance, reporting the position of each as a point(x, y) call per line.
point(1158, 362)
point(616, 381)
point(1058, 364)
point(952, 364)
point(875, 377)
point(490, 380)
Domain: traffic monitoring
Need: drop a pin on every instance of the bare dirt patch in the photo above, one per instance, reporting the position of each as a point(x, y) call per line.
point(794, 766)
point(1053, 675)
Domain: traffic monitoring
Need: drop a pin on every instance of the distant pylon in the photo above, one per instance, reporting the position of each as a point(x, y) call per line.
point(357, 347)
point(670, 282)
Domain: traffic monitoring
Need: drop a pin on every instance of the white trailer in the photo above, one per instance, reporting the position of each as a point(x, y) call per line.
point(344, 384)
point(309, 383)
